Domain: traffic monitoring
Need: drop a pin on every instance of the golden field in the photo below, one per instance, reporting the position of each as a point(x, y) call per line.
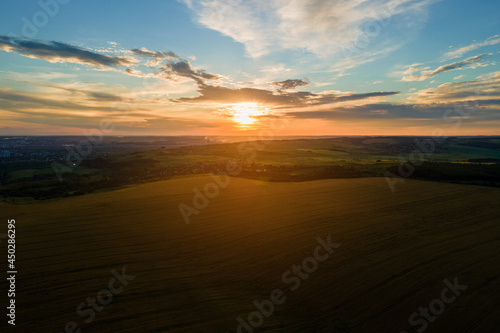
point(396, 249)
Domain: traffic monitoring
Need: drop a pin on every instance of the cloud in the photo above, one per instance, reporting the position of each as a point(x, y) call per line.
point(479, 98)
point(144, 52)
point(155, 57)
point(16, 100)
point(135, 72)
point(223, 95)
point(182, 68)
point(43, 76)
point(170, 66)
point(383, 111)
point(290, 84)
point(484, 88)
point(317, 26)
point(135, 122)
point(85, 95)
point(399, 112)
point(326, 98)
point(166, 64)
point(353, 57)
point(84, 98)
point(471, 62)
point(493, 40)
point(276, 69)
point(60, 52)
point(218, 94)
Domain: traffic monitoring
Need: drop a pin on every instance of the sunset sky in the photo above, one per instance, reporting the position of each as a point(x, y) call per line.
point(229, 67)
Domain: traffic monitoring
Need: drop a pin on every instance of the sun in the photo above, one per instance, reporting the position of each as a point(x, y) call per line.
point(245, 113)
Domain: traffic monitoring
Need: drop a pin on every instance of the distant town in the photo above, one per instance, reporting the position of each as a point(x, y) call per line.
point(56, 148)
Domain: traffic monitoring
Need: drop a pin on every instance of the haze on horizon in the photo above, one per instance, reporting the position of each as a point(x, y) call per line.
point(193, 67)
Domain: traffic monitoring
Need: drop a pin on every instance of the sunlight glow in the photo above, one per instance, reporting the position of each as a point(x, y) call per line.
point(245, 113)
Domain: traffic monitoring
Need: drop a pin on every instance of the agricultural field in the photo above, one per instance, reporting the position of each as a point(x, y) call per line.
point(368, 259)
point(460, 160)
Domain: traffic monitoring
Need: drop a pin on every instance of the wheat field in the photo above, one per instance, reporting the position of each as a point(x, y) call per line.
point(396, 249)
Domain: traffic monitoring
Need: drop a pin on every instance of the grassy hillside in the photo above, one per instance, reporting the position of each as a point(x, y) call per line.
point(395, 251)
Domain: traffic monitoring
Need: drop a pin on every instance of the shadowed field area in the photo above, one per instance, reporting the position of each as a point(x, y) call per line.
point(396, 249)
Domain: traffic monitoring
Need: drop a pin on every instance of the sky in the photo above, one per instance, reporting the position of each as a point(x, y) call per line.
point(237, 67)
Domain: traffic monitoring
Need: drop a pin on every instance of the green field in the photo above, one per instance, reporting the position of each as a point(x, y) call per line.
point(395, 251)
point(459, 160)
